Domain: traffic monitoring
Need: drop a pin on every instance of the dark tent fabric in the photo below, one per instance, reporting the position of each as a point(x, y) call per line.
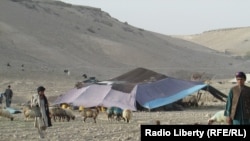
point(127, 81)
point(159, 89)
point(216, 93)
point(146, 87)
point(139, 75)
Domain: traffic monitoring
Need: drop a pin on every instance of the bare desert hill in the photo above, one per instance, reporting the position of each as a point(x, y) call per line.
point(234, 41)
point(42, 38)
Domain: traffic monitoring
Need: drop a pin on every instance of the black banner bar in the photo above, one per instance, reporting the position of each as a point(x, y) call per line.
point(195, 132)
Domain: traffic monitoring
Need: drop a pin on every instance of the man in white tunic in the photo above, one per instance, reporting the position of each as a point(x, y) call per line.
point(40, 105)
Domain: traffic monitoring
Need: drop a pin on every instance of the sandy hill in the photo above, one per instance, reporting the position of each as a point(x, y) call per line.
point(42, 38)
point(234, 41)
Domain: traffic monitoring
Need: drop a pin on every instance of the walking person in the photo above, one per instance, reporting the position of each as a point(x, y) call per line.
point(39, 103)
point(1, 99)
point(8, 96)
point(237, 108)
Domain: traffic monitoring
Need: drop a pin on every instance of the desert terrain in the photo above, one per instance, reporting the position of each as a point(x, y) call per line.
point(233, 41)
point(85, 40)
point(77, 130)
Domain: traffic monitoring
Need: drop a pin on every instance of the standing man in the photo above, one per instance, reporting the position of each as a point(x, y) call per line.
point(237, 108)
point(1, 99)
point(8, 96)
point(39, 103)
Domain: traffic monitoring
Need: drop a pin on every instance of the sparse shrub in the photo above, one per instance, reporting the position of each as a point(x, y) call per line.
point(141, 29)
point(104, 22)
point(91, 30)
point(79, 85)
point(127, 29)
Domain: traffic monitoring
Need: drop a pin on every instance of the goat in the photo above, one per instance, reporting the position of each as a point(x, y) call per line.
point(90, 113)
point(218, 117)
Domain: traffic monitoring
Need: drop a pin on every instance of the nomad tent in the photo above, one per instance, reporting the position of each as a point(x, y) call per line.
point(145, 87)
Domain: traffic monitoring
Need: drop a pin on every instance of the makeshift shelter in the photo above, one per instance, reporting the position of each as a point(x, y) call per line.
point(146, 87)
point(166, 91)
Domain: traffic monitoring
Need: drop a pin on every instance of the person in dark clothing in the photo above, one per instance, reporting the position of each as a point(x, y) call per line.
point(237, 108)
point(39, 103)
point(1, 99)
point(8, 96)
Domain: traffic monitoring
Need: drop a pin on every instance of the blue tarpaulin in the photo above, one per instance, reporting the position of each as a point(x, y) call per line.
point(165, 91)
point(13, 110)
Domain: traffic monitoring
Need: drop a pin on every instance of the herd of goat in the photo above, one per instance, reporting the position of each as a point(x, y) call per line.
point(113, 113)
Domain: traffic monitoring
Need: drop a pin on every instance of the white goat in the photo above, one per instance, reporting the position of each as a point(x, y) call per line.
point(218, 117)
point(127, 115)
point(7, 114)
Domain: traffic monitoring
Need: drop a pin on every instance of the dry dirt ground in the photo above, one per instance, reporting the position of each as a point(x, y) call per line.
point(77, 130)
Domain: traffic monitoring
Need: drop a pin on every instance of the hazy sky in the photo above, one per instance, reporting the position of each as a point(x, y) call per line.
point(176, 17)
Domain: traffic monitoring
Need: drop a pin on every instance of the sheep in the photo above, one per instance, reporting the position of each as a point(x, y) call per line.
point(53, 113)
point(70, 114)
point(218, 117)
point(28, 113)
point(58, 112)
point(7, 114)
point(110, 113)
point(127, 115)
point(114, 112)
point(90, 113)
point(118, 113)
